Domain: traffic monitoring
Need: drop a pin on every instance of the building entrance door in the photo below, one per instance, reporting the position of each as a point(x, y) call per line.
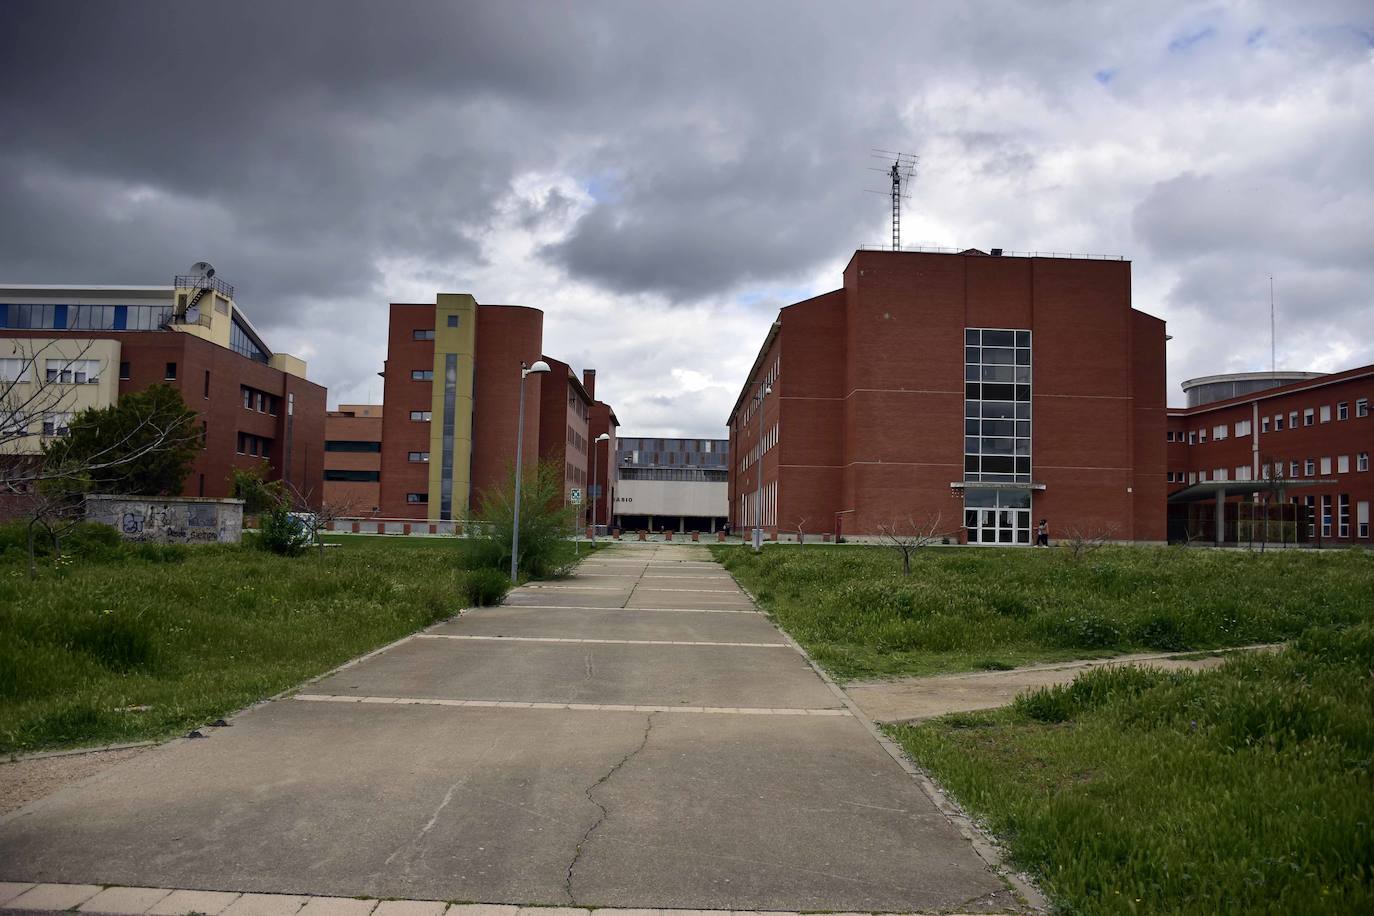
point(1000, 516)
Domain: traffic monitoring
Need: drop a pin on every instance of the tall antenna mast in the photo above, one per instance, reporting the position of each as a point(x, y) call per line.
point(1273, 361)
point(900, 172)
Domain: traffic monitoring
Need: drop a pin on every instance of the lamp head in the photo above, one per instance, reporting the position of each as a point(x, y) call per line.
point(539, 366)
point(604, 437)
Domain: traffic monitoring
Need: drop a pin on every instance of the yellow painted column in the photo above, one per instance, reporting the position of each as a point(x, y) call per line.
point(450, 435)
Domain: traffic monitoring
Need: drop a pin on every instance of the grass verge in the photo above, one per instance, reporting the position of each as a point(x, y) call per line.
point(1245, 789)
point(122, 643)
point(966, 609)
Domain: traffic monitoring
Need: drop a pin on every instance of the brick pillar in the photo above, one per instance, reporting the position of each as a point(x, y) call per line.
point(643, 536)
point(356, 526)
point(696, 536)
point(667, 534)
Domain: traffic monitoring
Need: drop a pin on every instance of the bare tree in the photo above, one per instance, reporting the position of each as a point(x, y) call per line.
point(1272, 473)
point(801, 531)
point(316, 519)
point(908, 536)
point(1084, 539)
point(32, 394)
point(54, 514)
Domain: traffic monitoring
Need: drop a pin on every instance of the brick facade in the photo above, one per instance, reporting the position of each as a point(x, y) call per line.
point(865, 423)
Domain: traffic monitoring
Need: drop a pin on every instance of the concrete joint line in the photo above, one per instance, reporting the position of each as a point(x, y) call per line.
point(577, 853)
point(577, 707)
point(657, 610)
point(983, 845)
point(611, 642)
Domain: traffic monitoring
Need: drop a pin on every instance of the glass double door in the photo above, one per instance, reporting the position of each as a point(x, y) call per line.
point(998, 516)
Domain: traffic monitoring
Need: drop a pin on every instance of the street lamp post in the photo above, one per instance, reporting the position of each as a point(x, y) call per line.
point(596, 453)
point(539, 366)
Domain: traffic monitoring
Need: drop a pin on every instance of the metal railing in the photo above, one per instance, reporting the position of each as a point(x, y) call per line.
point(214, 283)
point(928, 249)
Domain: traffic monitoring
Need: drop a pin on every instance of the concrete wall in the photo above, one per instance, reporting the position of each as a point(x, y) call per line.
point(169, 519)
point(666, 498)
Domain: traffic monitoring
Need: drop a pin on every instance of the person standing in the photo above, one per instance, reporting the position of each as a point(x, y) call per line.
point(1042, 533)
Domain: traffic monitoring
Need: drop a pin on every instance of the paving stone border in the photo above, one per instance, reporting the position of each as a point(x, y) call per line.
point(167, 901)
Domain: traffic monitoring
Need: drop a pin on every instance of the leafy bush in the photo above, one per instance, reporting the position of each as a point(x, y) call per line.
point(281, 534)
point(485, 587)
point(87, 540)
point(546, 524)
point(257, 492)
point(1091, 689)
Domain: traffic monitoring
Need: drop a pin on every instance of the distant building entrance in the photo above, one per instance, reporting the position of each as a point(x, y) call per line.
point(997, 516)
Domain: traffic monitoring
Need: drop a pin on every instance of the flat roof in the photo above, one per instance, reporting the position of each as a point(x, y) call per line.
point(1308, 384)
point(1287, 376)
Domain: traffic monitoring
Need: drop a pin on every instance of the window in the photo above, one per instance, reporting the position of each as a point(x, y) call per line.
point(1219, 432)
point(56, 424)
point(204, 438)
point(247, 399)
point(453, 321)
point(1243, 472)
point(1362, 518)
point(1362, 407)
point(1192, 477)
point(260, 401)
point(1202, 435)
point(1292, 470)
point(206, 395)
point(124, 370)
point(171, 373)
point(1326, 516)
point(1307, 416)
point(422, 416)
point(417, 498)
point(352, 476)
point(1362, 461)
point(15, 369)
point(417, 456)
point(1326, 466)
point(1309, 467)
point(352, 445)
point(1192, 437)
point(422, 334)
point(1278, 422)
point(1293, 419)
point(1220, 474)
point(73, 371)
point(1264, 424)
point(422, 375)
point(1326, 413)
point(997, 405)
point(1342, 464)
point(1343, 410)
point(1242, 428)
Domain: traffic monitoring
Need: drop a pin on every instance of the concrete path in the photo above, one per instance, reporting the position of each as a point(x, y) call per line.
point(913, 699)
point(635, 736)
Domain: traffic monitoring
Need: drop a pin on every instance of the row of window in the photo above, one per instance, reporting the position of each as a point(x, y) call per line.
point(421, 416)
point(577, 441)
point(574, 474)
point(1341, 526)
point(422, 334)
point(712, 475)
point(997, 405)
point(1310, 467)
point(352, 445)
point(257, 446)
point(85, 317)
point(255, 400)
point(422, 375)
point(761, 448)
point(769, 379)
point(1311, 416)
point(656, 459)
point(352, 476)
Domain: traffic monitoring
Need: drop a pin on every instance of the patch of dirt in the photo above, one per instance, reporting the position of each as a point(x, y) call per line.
point(29, 779)
point(913, 699)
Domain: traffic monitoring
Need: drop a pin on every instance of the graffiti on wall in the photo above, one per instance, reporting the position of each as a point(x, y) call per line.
point(170, 520)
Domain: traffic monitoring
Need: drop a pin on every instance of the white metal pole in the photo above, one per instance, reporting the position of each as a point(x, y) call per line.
point(596, 453)
point(519, 444)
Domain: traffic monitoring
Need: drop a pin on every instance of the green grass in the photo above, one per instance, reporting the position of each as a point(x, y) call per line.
point(1245, 789)
point(969, 609)
point(193, 634)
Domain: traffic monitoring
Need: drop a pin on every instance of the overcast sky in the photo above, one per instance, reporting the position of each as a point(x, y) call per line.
point(660, 177)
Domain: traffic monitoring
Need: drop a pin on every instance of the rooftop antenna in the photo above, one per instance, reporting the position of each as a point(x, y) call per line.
point(901, 171)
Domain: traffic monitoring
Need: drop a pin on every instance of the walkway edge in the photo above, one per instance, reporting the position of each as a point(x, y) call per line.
point(987, 848)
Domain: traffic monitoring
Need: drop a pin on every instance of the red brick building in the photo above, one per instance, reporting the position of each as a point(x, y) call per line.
point(254, 405)
point(1307, 441)
point(973, 392)
point(353, 459)
point(452, 395)
point(604, 465)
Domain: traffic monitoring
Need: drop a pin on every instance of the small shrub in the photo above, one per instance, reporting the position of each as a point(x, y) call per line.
point(1013, 606)
point(485, 587)
point(281, 534)
point(1083, 631)
point(1162, 631)
point(994, 664)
